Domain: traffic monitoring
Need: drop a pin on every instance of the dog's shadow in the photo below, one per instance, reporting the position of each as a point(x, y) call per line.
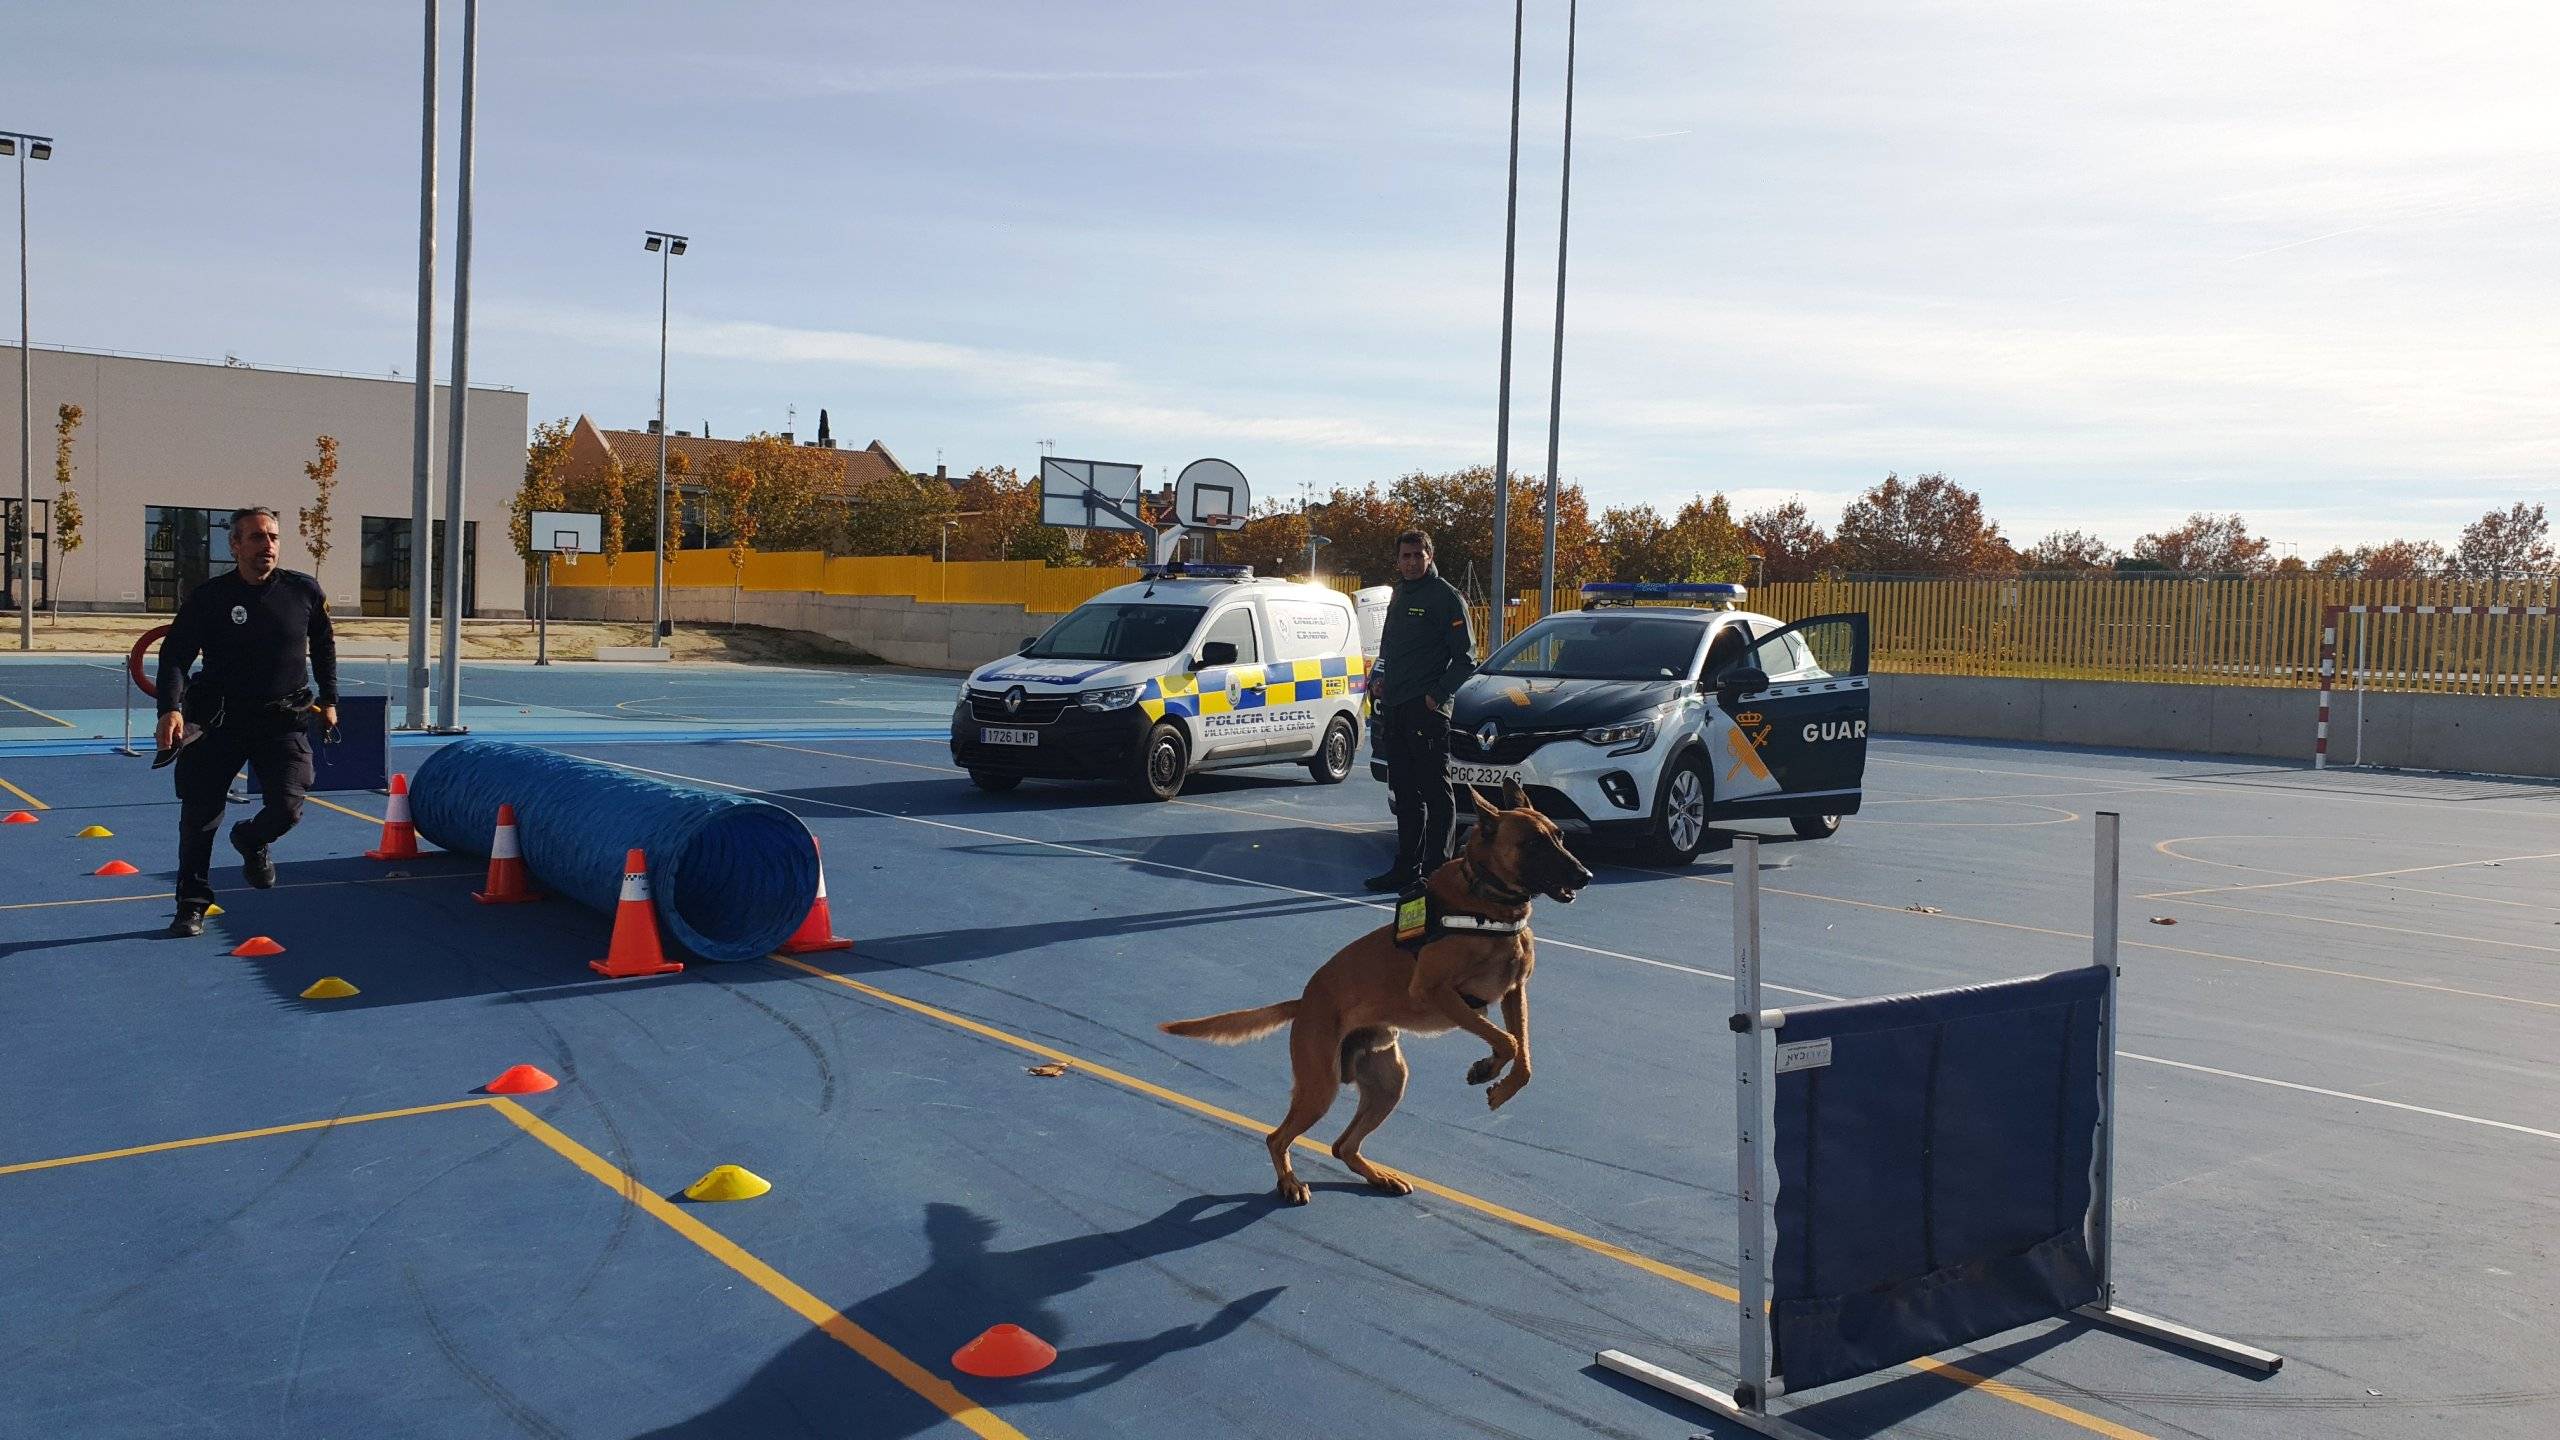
point(967, 1285)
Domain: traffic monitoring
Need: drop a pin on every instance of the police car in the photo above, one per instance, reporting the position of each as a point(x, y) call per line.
point(1200, 667)
point(1646, 720)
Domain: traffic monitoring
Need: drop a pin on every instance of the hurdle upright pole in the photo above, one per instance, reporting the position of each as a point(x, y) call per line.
point(2107, 878)
point(1750, 1107)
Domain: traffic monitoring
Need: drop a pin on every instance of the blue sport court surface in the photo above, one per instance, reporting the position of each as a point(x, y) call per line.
point(233, 1211)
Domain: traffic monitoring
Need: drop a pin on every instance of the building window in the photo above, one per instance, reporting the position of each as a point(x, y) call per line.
point(384, 570)
point(182, 547)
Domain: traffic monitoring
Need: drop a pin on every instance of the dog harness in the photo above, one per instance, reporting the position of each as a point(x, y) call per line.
point(1421, 919)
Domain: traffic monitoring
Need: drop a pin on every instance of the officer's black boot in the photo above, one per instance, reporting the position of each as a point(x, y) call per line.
point(256, 866)
point(189, 921)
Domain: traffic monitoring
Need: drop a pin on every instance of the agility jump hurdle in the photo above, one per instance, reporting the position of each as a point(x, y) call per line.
point(1917, 1172)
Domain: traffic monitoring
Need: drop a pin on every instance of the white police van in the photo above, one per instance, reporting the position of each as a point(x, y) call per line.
point(1642, 720)
point(1198, 667)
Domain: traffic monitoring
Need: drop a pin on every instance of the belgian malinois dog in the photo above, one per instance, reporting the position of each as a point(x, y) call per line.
point(1343, 1029)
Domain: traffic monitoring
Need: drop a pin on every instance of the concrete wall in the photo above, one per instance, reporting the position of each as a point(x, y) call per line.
point(893, 627)
point(2485, 734)
point(185, 433)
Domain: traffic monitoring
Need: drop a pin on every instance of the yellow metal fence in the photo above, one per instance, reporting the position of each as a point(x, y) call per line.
point(2202, 632)
point(1037, 587)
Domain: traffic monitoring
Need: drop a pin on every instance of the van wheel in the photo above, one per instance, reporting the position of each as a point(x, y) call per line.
point(1679, 814)
point(993, 781)
point(1815, 827)
point(1163, 763)
point(1331, 764)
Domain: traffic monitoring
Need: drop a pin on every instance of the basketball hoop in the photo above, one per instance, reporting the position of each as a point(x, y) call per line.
point(1219, 521)
point(569, 551)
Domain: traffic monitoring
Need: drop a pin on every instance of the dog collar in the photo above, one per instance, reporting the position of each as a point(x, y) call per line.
point(1457, 920)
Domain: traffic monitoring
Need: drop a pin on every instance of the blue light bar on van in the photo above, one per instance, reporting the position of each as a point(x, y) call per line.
point(1628, 592)
point(1180, 570)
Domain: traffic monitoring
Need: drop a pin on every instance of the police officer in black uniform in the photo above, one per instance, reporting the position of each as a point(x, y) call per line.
point(253, 626)
point(1425, 652)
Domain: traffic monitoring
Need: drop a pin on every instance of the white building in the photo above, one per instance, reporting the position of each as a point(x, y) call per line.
point(166, 449)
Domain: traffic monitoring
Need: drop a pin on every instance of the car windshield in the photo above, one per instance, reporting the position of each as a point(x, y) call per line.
point(1118, 632)
point(1601, 647)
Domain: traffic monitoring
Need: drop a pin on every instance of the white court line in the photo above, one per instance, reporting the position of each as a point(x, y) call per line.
point(1559, 944)
point(2190, 785)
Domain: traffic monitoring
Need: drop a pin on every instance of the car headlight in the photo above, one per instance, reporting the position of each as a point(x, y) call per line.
point(1630, 737)
point(1120, 698)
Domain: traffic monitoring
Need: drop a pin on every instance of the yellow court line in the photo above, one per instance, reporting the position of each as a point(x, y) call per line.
point(923, 1382)
point(2152, 945)
point(945, 1397)
point(1592, 1243)
point(30, 709)
point(32, 802)
point(341, 809)
point(2333, 879)
point(163, 895)
point(166, 1145)
point(1177, 800)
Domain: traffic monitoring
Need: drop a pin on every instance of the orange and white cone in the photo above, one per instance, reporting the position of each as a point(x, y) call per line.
point(507, 882)
point(635, 928)
point(399, 837)
point(817, 932)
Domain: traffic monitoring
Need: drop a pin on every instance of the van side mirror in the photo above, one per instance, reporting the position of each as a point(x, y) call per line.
point(1740, 681)
point(1215, 654)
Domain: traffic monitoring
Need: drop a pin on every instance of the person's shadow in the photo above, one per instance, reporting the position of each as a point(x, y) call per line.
point(965, 1287)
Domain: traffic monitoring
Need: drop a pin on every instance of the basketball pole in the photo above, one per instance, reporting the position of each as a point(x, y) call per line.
point(1502, 417)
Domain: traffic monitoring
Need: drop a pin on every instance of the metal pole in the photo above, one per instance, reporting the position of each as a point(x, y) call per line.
point(1750, 1109)
point(542, 617)
point(658, 614)
point(2103, 922)
point(2360, 687)
point(26, 430)
point(458, 401)
point(422, 418)
point(1502, 418)
point(1555, 393)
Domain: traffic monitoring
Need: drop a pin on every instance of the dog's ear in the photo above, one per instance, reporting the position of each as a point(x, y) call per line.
point(1514, 797)
point(1483, 809)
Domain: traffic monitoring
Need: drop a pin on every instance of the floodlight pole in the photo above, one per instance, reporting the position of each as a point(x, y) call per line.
point(668, 246)
point(458, 397)
point(1555, 393)
point(1502, 408)
point(422, 414)
point(27, 147)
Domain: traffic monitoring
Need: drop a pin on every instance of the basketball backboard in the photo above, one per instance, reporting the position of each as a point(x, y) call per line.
point(1070, 488)
point(1211, 495)
point(553, 531)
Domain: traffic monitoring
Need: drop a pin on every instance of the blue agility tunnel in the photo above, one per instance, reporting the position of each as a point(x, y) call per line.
point(732, 876)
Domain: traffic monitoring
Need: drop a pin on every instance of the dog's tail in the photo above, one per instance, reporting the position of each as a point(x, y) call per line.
point(1236, 1026)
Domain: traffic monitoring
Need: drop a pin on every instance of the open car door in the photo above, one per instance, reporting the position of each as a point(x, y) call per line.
point(1799, 701)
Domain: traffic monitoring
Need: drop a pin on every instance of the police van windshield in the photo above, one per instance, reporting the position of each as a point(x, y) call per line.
point(1118, 632)
point(1600, 647)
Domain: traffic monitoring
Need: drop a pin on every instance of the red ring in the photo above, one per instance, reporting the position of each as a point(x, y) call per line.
point(133, 661)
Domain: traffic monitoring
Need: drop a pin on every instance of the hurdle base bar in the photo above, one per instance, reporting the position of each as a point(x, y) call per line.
point(1705, 1397)
point(2176, 1336)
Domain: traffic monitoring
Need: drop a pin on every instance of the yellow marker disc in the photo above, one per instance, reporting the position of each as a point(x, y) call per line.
point(329, 987)
point(728, 1182)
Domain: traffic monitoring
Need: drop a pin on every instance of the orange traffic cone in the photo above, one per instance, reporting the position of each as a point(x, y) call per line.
point(507, 885)
point(635, 928)
point(399, 837)
point(1004, 1352)
point(817, 932)
point(520, 1080)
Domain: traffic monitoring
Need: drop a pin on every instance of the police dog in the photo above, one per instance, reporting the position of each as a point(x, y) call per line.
point(1343, 1029)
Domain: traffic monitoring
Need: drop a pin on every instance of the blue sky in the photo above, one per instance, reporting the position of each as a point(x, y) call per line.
point(2105, 264)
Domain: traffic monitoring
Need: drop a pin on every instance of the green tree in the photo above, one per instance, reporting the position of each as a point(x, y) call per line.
point(2509, 544)
point(2068, 550)
point(313, 519)
point(1789, 544)
point(2207, 545)
point(1926, 526)
point(546, 457)
point(66, 504)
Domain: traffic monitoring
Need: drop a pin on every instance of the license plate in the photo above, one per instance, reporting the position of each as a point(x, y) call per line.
point(1480, 774)
point(989, 735)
